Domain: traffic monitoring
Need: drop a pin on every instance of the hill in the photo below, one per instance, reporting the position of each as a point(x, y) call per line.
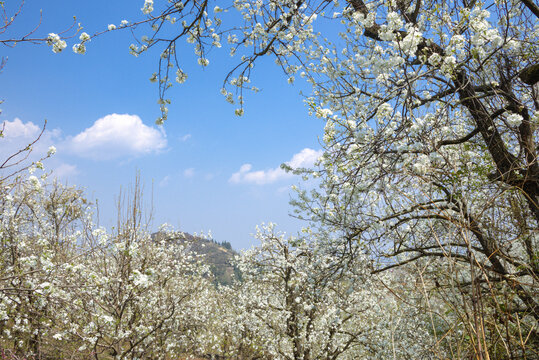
point(218, 255)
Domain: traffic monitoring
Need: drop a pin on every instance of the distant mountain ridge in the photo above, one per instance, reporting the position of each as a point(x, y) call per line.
point(218, 255)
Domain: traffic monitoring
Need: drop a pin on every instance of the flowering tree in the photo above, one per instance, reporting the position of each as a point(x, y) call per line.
point(298, 301)
point(431, 111)
point(9, 14)
point(138, 298)
point(71, 290)
point(40, 230)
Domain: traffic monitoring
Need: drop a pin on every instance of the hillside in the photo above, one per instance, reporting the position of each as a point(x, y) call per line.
point(217, 255)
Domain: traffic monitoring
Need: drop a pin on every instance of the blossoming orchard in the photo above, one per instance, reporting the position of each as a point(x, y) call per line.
point(421, 237)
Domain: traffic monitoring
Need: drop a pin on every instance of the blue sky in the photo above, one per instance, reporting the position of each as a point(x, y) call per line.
point(210, 170)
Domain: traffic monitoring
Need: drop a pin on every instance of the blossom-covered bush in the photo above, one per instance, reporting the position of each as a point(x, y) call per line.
point(137, 298)
point(41, 231)
point(301, 300)
point(69, 289)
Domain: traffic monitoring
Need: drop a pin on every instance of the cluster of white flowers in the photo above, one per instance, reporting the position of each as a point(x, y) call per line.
point(34, 181)
point(148, 7)
point(514, 120)
point(56, 42)
point(203, 62)
point(51, 151)
point(323, 113)
point(181, 76)
point(422, 166)
point(81, 47)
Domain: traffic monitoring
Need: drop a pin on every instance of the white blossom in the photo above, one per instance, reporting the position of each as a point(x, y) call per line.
point(148, 7)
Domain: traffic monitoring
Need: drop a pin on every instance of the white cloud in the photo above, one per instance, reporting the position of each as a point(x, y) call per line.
point(164, 182)
point(185, 137)
point(18, 129)
point(65, 171)
point(305, 158)
point(118, 135)
point(189, 173)
point(18, 135)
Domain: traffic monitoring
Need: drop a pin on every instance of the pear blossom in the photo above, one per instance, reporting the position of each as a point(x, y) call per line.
point(181, 76)
point(84, 37)
point(514, 119)
point(148, 7)
point(79, 49)
point(56, 42)
point(203, 62)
